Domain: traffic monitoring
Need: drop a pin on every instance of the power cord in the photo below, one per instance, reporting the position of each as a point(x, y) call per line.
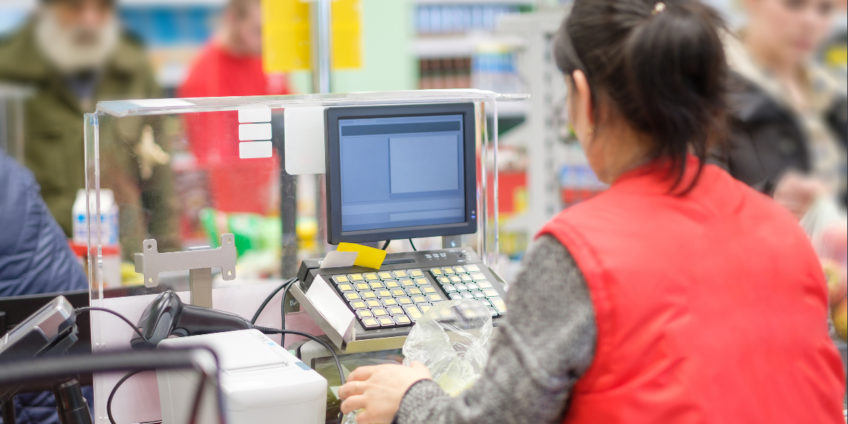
point(386, 245)
point(413, 245)
point(268, 299)
point(195, 408)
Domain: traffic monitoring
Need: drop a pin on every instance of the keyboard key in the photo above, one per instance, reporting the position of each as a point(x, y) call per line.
point(362, 286)
point(491, 293)
point(340, 279)
point(395, 310)
point(384, 293)
point(351, 296)
point(385, 275)
point(454, 279)
point(370, 323)
point(460, 287)
point(345, 287)
point(459, 269)
point(484, 284)
point(424, 308)
point(368, 295)
point(358, 304)
point(416, 273)
point(422, 281)
point(478, 276)
point(389, 301)
point(447, 270)
point(355, 277)
point(435, 297)
point(467, 295)
point(428, 289)
point(466, 278)
point(455, 295)
point(407, 283)
point(386, 322)
point(391, 284)
point(499, 305)
point(400, 274)
point(376, 285)
point(373, 303)
point(444, 280)
point(402, 320)
point(471, 286)
point(404, 301)
point(478, 294)
point(371, 276)
point(436, 272)
point(379, 312)
point(413, 291)
point(413, 312)
point(449, 288)
point(398, 292)
point(419, 299)
point(364, 313)
point(472, 268)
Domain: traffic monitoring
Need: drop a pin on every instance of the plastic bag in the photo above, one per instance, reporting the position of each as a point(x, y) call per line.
point(452, 340)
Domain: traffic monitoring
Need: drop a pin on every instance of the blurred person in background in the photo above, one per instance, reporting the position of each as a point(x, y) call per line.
point(231, 65)
point(73, 53)
point(34, 258)
point(789, 119)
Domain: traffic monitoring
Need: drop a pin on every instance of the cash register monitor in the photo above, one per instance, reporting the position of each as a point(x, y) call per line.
point(397, 172)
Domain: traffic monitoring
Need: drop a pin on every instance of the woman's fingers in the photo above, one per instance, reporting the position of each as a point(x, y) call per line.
point(362, 373)
point(353, 403)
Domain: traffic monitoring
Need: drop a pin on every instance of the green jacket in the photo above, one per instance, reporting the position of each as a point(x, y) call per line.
point(54, 137)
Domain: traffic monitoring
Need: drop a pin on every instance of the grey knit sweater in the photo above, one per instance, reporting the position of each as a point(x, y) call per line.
point(536, 357)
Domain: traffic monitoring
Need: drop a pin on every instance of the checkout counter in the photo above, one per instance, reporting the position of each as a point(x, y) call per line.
point(259, 192)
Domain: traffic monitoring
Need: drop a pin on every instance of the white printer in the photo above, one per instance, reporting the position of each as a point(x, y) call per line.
point(261, 383)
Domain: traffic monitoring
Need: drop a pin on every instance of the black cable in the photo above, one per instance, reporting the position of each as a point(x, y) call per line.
point(268, 300)
point(413, 245)
point(115, 390)
point(386, 245)
point(283, 314)
point(326, 345)
point(84, 309)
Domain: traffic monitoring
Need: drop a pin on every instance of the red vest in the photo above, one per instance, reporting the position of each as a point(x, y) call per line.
point(710, 308)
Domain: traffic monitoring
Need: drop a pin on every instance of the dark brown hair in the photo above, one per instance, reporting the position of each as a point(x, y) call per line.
point(661, 64)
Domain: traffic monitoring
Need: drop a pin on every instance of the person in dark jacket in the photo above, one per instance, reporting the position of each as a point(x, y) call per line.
point(789, 117)
point(34, 258)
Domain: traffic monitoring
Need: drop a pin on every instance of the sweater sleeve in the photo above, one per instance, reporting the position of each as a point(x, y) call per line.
point(545, 345)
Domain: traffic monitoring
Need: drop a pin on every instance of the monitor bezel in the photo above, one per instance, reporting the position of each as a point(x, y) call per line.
point(333, 115)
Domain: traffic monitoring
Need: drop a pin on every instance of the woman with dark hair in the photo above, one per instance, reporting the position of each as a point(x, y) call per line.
point(679, 295)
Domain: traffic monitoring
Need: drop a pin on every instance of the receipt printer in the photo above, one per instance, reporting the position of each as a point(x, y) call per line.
point(260, 381)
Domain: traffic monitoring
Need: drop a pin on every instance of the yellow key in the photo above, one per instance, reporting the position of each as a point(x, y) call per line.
point(499, 305)
point(398, 292)
point(373, 303)
point(340, 279)
point(385, 275)
point(362, 286)
point(345, 287)
point(436, 271)
point(369, 295)
point(448, 270)
point(386, 322)
point(379, 312)
point(370, 276)
point(395, 310)
point(416, 273)
point(392, 284)
point(370, 323)
point(421, 281)
point(454, 279)
point(351, 296)
point(414, 291)
point(384, 293)
point(402, 320)
point(428, 289)
point(365, 313)
point(419, 299)
point(459, 269)
point(434, 297)
point(472, 268)
point(400, 274)
point(376, 285)
point(356, 277)
point(389, 302)
point(358, 304)
point(413, 313)
point(407, 283)
point(404, 301)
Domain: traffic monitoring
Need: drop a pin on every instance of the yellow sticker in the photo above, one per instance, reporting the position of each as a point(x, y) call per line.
point(367, 257)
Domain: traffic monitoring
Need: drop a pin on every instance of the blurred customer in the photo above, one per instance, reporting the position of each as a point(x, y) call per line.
point(789, 126)
point(73, 54)
point(231, 65)
point(34, 258)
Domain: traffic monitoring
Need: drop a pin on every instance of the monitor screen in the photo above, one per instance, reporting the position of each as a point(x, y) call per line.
point(400, 172)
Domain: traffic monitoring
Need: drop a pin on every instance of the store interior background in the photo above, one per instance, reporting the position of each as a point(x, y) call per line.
point(426, 44)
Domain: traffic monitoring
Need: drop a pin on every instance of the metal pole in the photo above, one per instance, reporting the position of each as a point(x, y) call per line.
point(321, 47)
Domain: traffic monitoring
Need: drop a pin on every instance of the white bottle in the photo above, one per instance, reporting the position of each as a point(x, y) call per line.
point(108, 219)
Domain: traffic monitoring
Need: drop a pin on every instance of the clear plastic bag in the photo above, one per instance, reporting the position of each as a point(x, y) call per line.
point(452, 340)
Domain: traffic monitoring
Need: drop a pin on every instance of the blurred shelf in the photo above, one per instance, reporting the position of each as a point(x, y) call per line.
point(480, 2)
point(172, 3)
point(460, 45)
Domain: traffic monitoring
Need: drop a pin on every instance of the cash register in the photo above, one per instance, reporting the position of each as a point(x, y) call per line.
point(397, 172)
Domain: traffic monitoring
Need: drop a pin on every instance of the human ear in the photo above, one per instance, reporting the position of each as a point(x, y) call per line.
point(584, 113)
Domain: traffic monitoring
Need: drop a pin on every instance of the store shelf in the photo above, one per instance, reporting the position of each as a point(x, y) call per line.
point(475, 2)
point(172, 3)
point(460, 45)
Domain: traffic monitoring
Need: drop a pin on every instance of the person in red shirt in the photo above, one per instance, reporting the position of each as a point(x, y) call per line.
point(231, 65)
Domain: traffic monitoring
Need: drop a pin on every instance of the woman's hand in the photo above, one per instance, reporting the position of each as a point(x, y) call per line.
point(378, 390)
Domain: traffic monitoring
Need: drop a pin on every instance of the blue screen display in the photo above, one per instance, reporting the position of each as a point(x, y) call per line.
point(401, 172)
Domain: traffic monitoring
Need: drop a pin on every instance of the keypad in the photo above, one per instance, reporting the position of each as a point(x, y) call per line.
point(398, 298)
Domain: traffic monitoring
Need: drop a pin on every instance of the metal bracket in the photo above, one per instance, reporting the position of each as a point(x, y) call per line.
point(199, 263)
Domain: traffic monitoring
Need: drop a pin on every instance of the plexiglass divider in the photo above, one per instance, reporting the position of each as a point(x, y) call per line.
point(173, 170)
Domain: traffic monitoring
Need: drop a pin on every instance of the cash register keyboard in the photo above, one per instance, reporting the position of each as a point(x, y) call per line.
point(397, 298)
